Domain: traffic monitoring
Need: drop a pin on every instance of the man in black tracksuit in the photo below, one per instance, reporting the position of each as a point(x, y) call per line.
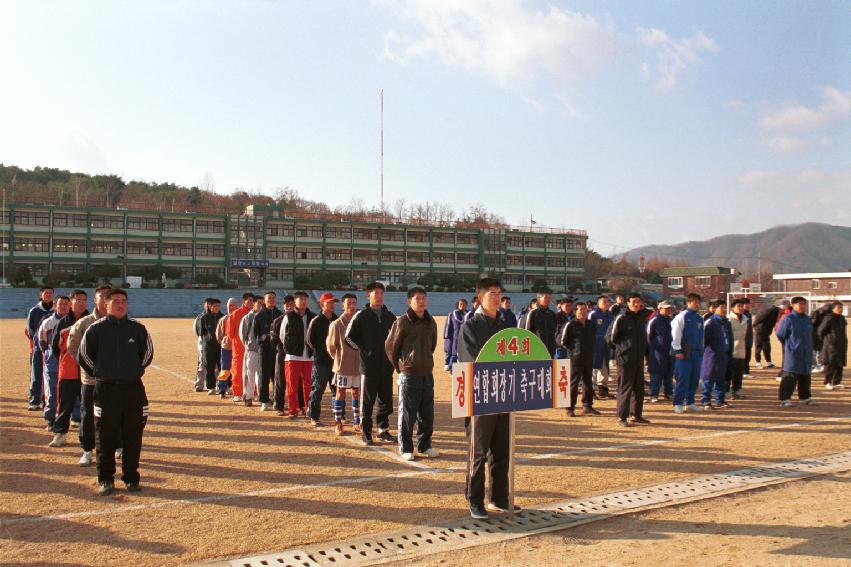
point(763, 326)
point(211, 350)
point(367, 332)
point(115, 351)
point(263, 331)
point(628, 338)
point(280, 372)
point(577, 339)
point(320, 377)
point(542, 321)
point(490, 442)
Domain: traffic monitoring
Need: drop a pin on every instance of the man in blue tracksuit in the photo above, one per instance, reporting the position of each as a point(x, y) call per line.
point(34, 318)
point(795, 333)
point(687, 347)
point(451, 328)
point(718, 343)
point(601, 319)
point(45, 336)
point(660, 362)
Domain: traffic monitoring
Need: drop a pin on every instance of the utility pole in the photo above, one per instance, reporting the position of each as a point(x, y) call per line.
point(759, 267)
point(382, 151)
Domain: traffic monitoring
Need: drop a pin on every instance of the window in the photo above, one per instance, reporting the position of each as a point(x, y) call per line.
point(555, 261)
point(137, 248)
point(534, 260)
point(177, 249)
point(512, 279)
point(396, 256)
point(149, 224)
point(417, 236)
point(362, 255)
point(439, 237)
point(418, 257)
point(557, 243)
point(108, 221)
point(107, 247)
point(303, 253)
point(31, 218)
point(69, 219)
point(210, 226)
point(534, 242)
point(443, 258)
point(573, 244)
point(210, 250)
point(514, 241)
point(703, 281)
point(514, 260)
point(31, 244)
point(467, 238)
point(207, 271)
point(338, 254)
point(68, 246)
point(308, 231)
point(675, 283)
point(576, 262)
point(278, 229)
point(831, 285)
point(816, 284)
point(177, 225)
point(280, 252)
point(391, 235)
point(468, 258)
point(280, 275)
point(366, 234)
point(338, 232)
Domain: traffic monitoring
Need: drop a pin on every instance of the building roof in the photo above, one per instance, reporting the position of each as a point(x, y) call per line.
point(812, 276)
point(697, 271)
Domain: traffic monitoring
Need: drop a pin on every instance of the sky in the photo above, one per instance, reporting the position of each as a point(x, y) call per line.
point(649, 122)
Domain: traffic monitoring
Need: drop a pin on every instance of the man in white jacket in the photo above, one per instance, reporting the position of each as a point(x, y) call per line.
point(735, 371)
point(253, 361)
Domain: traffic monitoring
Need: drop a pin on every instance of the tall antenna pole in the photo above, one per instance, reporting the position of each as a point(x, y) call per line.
point(382, 151)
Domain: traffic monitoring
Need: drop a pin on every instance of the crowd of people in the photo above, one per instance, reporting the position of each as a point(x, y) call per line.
point(87, 367)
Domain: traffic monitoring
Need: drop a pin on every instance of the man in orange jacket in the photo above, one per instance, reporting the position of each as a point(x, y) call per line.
point(234, 319)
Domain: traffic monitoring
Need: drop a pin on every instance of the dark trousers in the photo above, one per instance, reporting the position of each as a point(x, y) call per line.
point(69, 392)
point(748, 352)
point(832, 374)
point(788, 382)
point(211, 357)
point(762, 345)
point(267, 370)
point(121, 411)
point(630, 391)
point(735, 372)
point(376, 386)
point(87, 415)
point(581, 374)
point(36, 378)
point(280, 381)
point(319, 377)
point(416, 406)
point(491, 445)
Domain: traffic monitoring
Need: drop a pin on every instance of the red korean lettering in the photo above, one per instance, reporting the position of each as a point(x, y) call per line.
point(526, 346)
point(459, 392)
point(500, 347)
point(512, 346)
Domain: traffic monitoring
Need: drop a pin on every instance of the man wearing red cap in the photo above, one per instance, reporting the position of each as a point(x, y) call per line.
point(317, 334)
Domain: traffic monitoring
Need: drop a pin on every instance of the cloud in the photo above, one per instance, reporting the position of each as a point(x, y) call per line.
point(807, 187)
point(783, 144)
point(672, 56)
point(835, 105)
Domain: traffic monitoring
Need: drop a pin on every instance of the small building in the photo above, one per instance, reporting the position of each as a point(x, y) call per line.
point(710, 282)
point(825, 286)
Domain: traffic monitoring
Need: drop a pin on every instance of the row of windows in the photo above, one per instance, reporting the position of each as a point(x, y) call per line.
point(115, 222)
point(361, 233)
point(551, 242)
point(366, 255)
point(78, 246)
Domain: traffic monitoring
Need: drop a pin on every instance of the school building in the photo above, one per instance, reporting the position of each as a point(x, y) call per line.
point(265, 247)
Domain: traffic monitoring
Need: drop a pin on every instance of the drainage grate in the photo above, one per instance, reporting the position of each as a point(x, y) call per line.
point(425, 540)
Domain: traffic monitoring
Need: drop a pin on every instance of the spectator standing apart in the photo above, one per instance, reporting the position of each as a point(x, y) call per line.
point(628, 339)
point(564, 313)
point(817, 317)
point(577, 341)
point(252, 364)
point(748, 337)
point(298, 362)
point(524, 313)
point(505, 310)
point(263, 330)
point(601, 319)
point(450, 333)
point(763, 325)
point(199, 348)
point(238, 355)
point(68, 387)
point(410, 346)
point(660, 362)
point(211, 348)
point(475, 302)
point(785, 310)
point(740, 327)
point(87, 388)
point(317, 337)
point(367, 332)
point(226, 361)
point(116, 350)
point(46, 335)
point(346, 365)
point(487, 435)
point(542, 322)
point(619, 305)
point(834, 346)
point(39, 312)
point(795, 333)
point(716, 357)
point(687, 346)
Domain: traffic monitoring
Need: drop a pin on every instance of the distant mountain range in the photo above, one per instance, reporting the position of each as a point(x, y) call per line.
point(807, 247)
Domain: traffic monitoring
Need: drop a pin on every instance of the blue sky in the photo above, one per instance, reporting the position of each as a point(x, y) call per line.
point(642, 122)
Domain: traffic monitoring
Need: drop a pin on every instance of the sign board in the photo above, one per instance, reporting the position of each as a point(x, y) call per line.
point(248, 263)
point(513, 372)
point(135, 282)
point(735, 287)
point(756, 288)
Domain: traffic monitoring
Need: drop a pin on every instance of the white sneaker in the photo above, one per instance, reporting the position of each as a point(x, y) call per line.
point(838, 386)
point(86, 459)
point(758, 365)
point(770, 365)
point(747, 376)
point(654, 400)
point(237, 399)
point(264, 407)
point(431, 453)
point(679, 409)
point(446, 367)
point(407, 456)
point(694, 408)
point(828, 386)
point(786, 404)
point(809, 402)
point(779, 378)
point(58, 440)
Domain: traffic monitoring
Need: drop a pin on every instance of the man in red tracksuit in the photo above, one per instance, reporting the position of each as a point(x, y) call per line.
point(234, 320)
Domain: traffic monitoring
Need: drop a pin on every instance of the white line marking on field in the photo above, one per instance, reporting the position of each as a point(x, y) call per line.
point(175, 374)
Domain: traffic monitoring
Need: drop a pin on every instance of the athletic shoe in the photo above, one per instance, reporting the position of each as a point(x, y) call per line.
point(679, 409)
point(105, 488)
point(654, 399)
point(571, 413)
point(199, 389)
point(828, 386)
point(707, 407)
point(237, 399)
point(786, 404)
point(747, 376)
point(280, 413)
point(86, 459)
point(356, 428)
point(431, 453)
point(303, 412)
point(315, 423)
point(694, 408)
point(75, 424)
point(264, 406)
point(722, 405)
point(222, 395)
point(292, 415)
point(590, 411)
point(211, 392)
point(119, 454)
point(623, 423)
point(407, 456)
point(58, 440)
point(478, 512)
point(387, 437)
point(738, 395)
point(809, 402)
point(338, 428)
point(640, 420)
point(668, 397)
point(367, 439)
point(838, 386)
point(33, 407)
point(759, 365)
point(446, 367)
point(770, 365)
point(500, 507)
point(133, 487)
point(779, 378)
point(249, 403)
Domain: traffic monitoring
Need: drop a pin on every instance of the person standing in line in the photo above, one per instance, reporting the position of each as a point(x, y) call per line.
point(211, 349)
point(687, 347)
point(289, 303)
point(36, 315)
point(68, 386)
point(564, 314)
point(601, 319)
point(660, 363)
point(453, 323)
point(280, 365)
point(746, 305)
point(317, 336)
point(577, 340)
point(298, 361)
point(223, 380)
point(115, 350)
point(346, 365)
point(468, 314)
point(367, 332)
point(619, 305)
point(542, 322)
point(410, 346)
point(505, 310)
point(87, 387)
point(263, 331)
point(252, 365)
point(628, 339)
point(763, 326)
point(199, 347)
point(238, 355)
point(834, 346)
point(795, 333)
point(45, 336)
point(817, 317)
point(524, 314)
point(716, 357)
point(740, 326)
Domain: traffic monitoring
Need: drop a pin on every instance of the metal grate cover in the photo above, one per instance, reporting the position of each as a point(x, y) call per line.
point(426, 540)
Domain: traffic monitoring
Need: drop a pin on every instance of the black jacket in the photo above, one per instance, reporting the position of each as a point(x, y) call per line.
point(817, 317)
point(116, 350)
point(411, 342)
point(578, 340)
point(543, 323)
point(367, 333)
point(834, 340)
point(764, 321)
point(263, 326)
point(275, 329)
point(628, 338)
point(294, 338)
point(205, 326)
point(476, 332)
point(317, 333)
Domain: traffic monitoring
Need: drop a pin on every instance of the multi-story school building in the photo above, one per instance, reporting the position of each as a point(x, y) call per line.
point(265, 247)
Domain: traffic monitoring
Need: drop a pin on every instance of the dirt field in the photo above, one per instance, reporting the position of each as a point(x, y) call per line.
point(223, 480)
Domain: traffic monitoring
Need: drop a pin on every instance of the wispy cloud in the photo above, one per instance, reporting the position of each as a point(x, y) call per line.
point(806, 187)
point(671, 57)
point(784, 144)
point(835, 105)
